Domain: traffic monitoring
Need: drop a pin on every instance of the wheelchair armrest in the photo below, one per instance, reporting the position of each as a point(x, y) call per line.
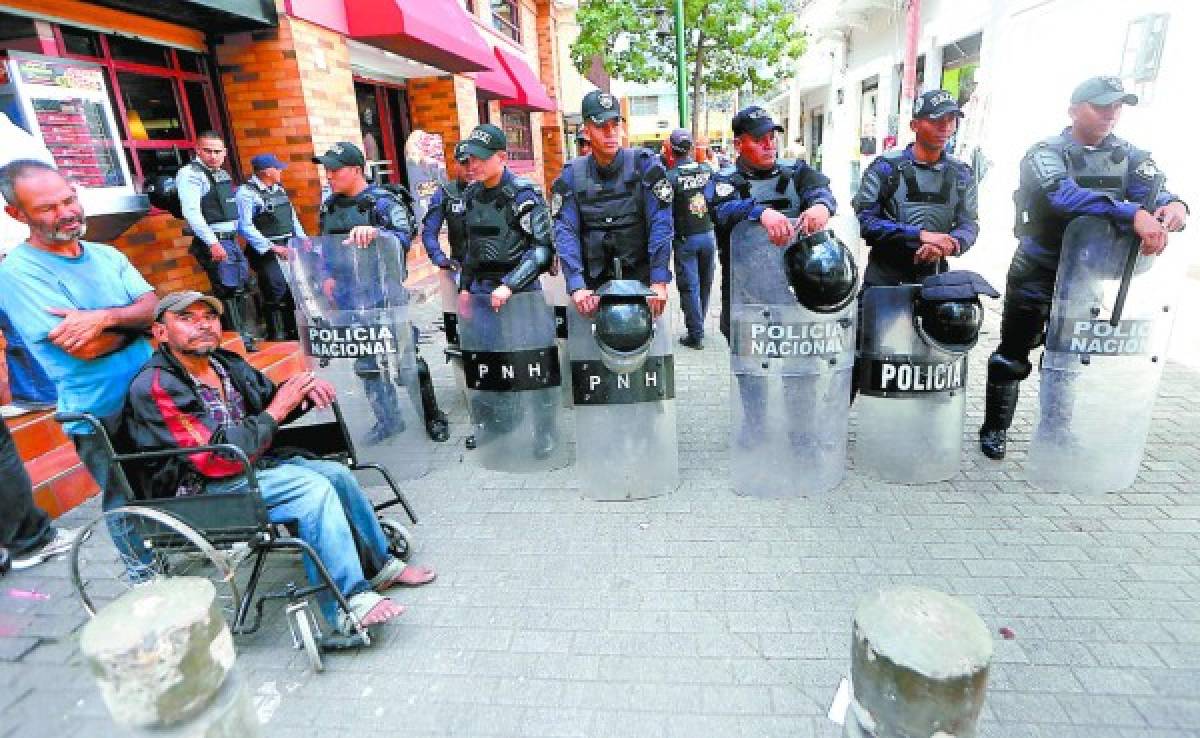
point(88, 418)
point(226, 448)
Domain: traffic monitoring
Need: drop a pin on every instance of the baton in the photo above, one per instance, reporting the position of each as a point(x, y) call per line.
point(1135, 248)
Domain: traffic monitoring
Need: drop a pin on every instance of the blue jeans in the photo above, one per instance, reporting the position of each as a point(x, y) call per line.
point(694, 257)
point(334, 517)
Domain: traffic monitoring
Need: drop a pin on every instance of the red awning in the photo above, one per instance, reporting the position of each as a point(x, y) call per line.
point(495, 83)
point(436, 32)
point(531, 94)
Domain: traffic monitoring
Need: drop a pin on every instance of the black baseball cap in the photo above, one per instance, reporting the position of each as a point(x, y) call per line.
point(1103, 91)
point(681, 140)
point(599, 106)
point(485, 140)
point(341, 154)
point(935, 104)
point(754, 121)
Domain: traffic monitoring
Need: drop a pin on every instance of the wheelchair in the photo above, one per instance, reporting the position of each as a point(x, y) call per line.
point(210, 536)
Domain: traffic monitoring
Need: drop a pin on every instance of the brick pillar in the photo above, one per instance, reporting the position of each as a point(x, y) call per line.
point(553, 145)
point(289, 91)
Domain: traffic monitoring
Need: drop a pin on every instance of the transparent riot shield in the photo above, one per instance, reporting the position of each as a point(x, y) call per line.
point(513, 375)
point(846, 226)
point(912, 395)
point(625, 437)
point(555, 288)
point(353, 320)
point(448, 293)
point(1099, 380)
point(792, 370)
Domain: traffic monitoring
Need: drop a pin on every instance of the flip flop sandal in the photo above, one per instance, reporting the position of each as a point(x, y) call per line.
point(361, 606)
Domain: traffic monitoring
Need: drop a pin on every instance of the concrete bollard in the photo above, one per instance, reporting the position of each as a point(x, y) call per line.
point(919, 666)
point(162, 656)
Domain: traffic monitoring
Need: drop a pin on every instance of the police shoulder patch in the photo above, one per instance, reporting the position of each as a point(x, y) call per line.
point(724, 189)
point(663, 191)
point(1147, 169)
point(556, 202)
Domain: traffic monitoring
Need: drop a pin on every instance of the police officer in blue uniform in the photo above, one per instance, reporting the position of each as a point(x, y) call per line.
point(583, 146)
point(510, 243)
point(918, 205)
point(695, 244)
point(1084, 170)
point(761, 187)
point(362, 211)
point(206, 199)
point(612, 204)
point(447, 206)
point(267, 220)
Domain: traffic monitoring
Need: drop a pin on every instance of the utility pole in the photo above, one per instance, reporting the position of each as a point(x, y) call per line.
point(680, 67)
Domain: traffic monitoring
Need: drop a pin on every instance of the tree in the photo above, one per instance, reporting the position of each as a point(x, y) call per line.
point(728, 44)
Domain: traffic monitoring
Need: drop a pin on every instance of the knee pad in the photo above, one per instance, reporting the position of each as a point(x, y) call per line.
point(1002, 368)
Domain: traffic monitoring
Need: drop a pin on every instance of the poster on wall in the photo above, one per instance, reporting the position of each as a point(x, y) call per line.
point(425, 159)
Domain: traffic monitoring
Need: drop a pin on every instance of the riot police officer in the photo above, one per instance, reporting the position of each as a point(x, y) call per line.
point(612, 204)
point(266, 219)
point(583, 146)
point(206, 199)
point(362, 211)
point(695, 245)
point(1085, 170)
point(918, 205)
point(447, 206)
point(761, 188)
point(510, 243)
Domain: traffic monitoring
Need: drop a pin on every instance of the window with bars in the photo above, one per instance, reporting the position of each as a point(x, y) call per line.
point(519, 131)
point(643, 105)
point(506, 18)
point(162, 97)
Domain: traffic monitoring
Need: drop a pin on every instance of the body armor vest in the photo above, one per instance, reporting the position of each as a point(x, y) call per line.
point(776, 191)
point(691, 208)
point(495, 243)
point(217, 205)
point(925, 197)
point(1103, 169)
point(454, 213)
point(340, 213)
point(276, 220)
point(612, 216)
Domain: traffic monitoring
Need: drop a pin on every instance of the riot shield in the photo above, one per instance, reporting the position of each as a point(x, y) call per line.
point(1099, 380)
point(511, 365)
point(792, 370)
point(625, 441)
point(912, 395)
point(448, 292)
point(352, 316)
point(555, 288)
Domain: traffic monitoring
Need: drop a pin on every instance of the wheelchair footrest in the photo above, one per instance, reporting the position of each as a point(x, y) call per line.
point(340, 642)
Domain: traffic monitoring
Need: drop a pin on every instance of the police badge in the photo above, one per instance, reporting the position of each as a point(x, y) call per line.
point(662, 190)
point(724, 189)
point(1146, 170)
point(697, 205)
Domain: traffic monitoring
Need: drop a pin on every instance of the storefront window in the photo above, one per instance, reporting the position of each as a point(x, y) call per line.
point(520, 135)
point(162, 97)
point(506, 18)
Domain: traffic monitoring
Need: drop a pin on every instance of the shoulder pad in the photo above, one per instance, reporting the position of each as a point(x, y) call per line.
point(1146, 168)
point(561, 186)
point(805, 177)
point(1047, 164)
point(654, 172)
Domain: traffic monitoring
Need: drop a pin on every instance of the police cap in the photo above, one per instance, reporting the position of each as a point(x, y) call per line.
point(1103, 91)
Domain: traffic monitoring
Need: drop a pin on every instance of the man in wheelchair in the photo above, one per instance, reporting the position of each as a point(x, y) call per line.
point(193, 393)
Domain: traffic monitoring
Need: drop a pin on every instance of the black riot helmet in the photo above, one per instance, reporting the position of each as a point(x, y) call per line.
point(948, 313)
point(821, 271)
point(624, 327)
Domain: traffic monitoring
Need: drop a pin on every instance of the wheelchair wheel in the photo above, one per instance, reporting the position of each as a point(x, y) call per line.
point(304, 630)
point(400, 540)
point(131, 546)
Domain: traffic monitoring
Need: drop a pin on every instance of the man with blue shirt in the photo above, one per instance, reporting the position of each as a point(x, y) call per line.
point(613, 204)
point(266, 220)
point(918, 205)
point(1084, 170)
point(207, 200)
point(695, 247)
point(81, 307)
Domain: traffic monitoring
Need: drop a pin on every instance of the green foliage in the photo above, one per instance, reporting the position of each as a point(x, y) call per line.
point(741, 41)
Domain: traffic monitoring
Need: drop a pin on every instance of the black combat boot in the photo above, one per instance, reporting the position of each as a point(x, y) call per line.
point(1000, 407)
point(234, 309)
point(437, 425)
point(276, 327)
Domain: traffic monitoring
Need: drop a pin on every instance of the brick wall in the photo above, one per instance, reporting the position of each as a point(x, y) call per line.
point(289, 91)
point(445, 105)
point(553, 153)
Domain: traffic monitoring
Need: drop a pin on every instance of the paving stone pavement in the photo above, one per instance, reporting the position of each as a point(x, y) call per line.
point(705, 614)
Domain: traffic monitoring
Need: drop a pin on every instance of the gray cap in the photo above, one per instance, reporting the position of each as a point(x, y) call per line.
point(177, 302)
point(1103, 91)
